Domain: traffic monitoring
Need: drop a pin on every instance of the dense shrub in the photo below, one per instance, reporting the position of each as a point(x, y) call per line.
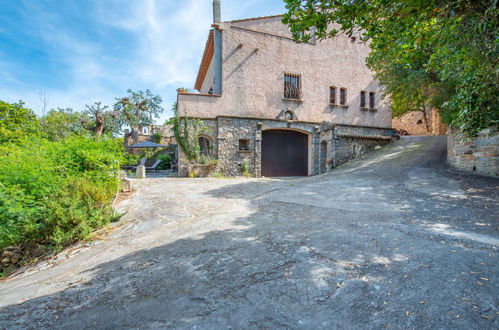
point(57, 192)
point(165, 161)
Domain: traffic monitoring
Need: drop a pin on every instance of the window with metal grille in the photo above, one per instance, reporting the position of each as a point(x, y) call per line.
point(332, 95)
point(372, 100)
point(343, 96)
point(362, 99)
point(292, 86)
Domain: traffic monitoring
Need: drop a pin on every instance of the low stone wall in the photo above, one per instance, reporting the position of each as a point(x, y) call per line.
point(479, 154)
point(350, 142)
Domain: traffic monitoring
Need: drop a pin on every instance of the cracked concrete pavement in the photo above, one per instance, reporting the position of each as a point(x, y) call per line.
point(393, 240)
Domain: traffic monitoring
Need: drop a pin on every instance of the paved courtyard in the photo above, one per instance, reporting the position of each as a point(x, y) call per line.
point(394, 240)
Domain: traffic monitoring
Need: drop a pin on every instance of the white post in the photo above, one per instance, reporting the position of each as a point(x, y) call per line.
point(141, 172)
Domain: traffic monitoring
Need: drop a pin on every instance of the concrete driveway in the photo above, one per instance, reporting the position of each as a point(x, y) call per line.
point(395, 240)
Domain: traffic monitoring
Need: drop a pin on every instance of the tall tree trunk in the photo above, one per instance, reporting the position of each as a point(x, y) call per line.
point(99, 127)
point(425, 118)
point(135, 135)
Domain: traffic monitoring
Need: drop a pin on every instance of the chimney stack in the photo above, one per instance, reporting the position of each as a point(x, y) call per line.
point(216, 12)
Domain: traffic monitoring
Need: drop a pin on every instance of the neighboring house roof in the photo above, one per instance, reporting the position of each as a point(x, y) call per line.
point(255, 18)
point(205, 62)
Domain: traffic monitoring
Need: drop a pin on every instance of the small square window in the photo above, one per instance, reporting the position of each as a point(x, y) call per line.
point(244, 144)
point(292, 86)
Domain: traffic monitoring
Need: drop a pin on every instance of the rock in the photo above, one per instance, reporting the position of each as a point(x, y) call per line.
point(37, 251)
point(14, 260)
point(10, 248)
point(6, 261)
point(6, 253)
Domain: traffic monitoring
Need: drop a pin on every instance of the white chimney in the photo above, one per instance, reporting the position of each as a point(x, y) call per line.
point(216, 12)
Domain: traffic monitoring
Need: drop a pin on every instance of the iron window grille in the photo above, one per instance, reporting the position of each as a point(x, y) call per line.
point(292, 86)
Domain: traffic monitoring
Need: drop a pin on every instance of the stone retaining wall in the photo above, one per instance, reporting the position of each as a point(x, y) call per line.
point(479, 154)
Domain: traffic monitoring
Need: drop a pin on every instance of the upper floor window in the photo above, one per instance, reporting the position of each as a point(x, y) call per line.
point(145, 130)
point(332, 95)
point(343, 96)
point(362, 99)
point(372, 100)
point(292, 86)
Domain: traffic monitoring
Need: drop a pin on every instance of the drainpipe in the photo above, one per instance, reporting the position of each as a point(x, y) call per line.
point(217, 45)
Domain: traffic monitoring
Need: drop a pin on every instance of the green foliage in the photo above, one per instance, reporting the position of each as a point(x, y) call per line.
point(426, 53)
point(98, 119)
point(245, 168)
point(187, 134)
point(165, 161)
point(56, 191)
point(16, 122)
point(157, 137)
point(138, 109)
point(61, 123)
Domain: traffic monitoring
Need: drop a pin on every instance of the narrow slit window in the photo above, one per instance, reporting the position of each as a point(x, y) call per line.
point(362, 99)
point(332, 95)
point(372, 100)
point(292, 86)
point(343, 96)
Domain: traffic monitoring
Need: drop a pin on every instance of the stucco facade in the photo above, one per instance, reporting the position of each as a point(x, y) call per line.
point(255, 55)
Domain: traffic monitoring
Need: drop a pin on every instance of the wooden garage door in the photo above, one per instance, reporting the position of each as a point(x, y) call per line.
point(284, 153)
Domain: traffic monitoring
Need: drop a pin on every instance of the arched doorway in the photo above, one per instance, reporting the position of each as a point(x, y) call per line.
point(284, 153)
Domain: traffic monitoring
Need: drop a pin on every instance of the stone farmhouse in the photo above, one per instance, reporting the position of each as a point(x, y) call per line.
point(154, 133)
point(284, 108)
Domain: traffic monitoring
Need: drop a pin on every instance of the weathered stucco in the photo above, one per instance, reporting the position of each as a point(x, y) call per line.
point(257, 53)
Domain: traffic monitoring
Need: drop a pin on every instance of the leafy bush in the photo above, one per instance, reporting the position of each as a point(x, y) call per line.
point(165, 161)
point(56, 191)
point(16, 121)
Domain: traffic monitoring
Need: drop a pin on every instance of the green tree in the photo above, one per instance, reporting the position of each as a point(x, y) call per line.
point(59, 124)
point(17, 121)
point(138, 109)
point(100, 120)
point(426, 52)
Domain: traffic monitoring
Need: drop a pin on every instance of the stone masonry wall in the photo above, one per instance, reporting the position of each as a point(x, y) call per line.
point(329, 145)
point(231, 130)
point(479, 154)
point(349, 142)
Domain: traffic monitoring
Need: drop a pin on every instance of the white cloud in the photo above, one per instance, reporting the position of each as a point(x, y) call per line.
point(161, 44)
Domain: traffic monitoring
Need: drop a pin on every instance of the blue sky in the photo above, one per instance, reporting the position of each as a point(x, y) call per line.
point(76, 52)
